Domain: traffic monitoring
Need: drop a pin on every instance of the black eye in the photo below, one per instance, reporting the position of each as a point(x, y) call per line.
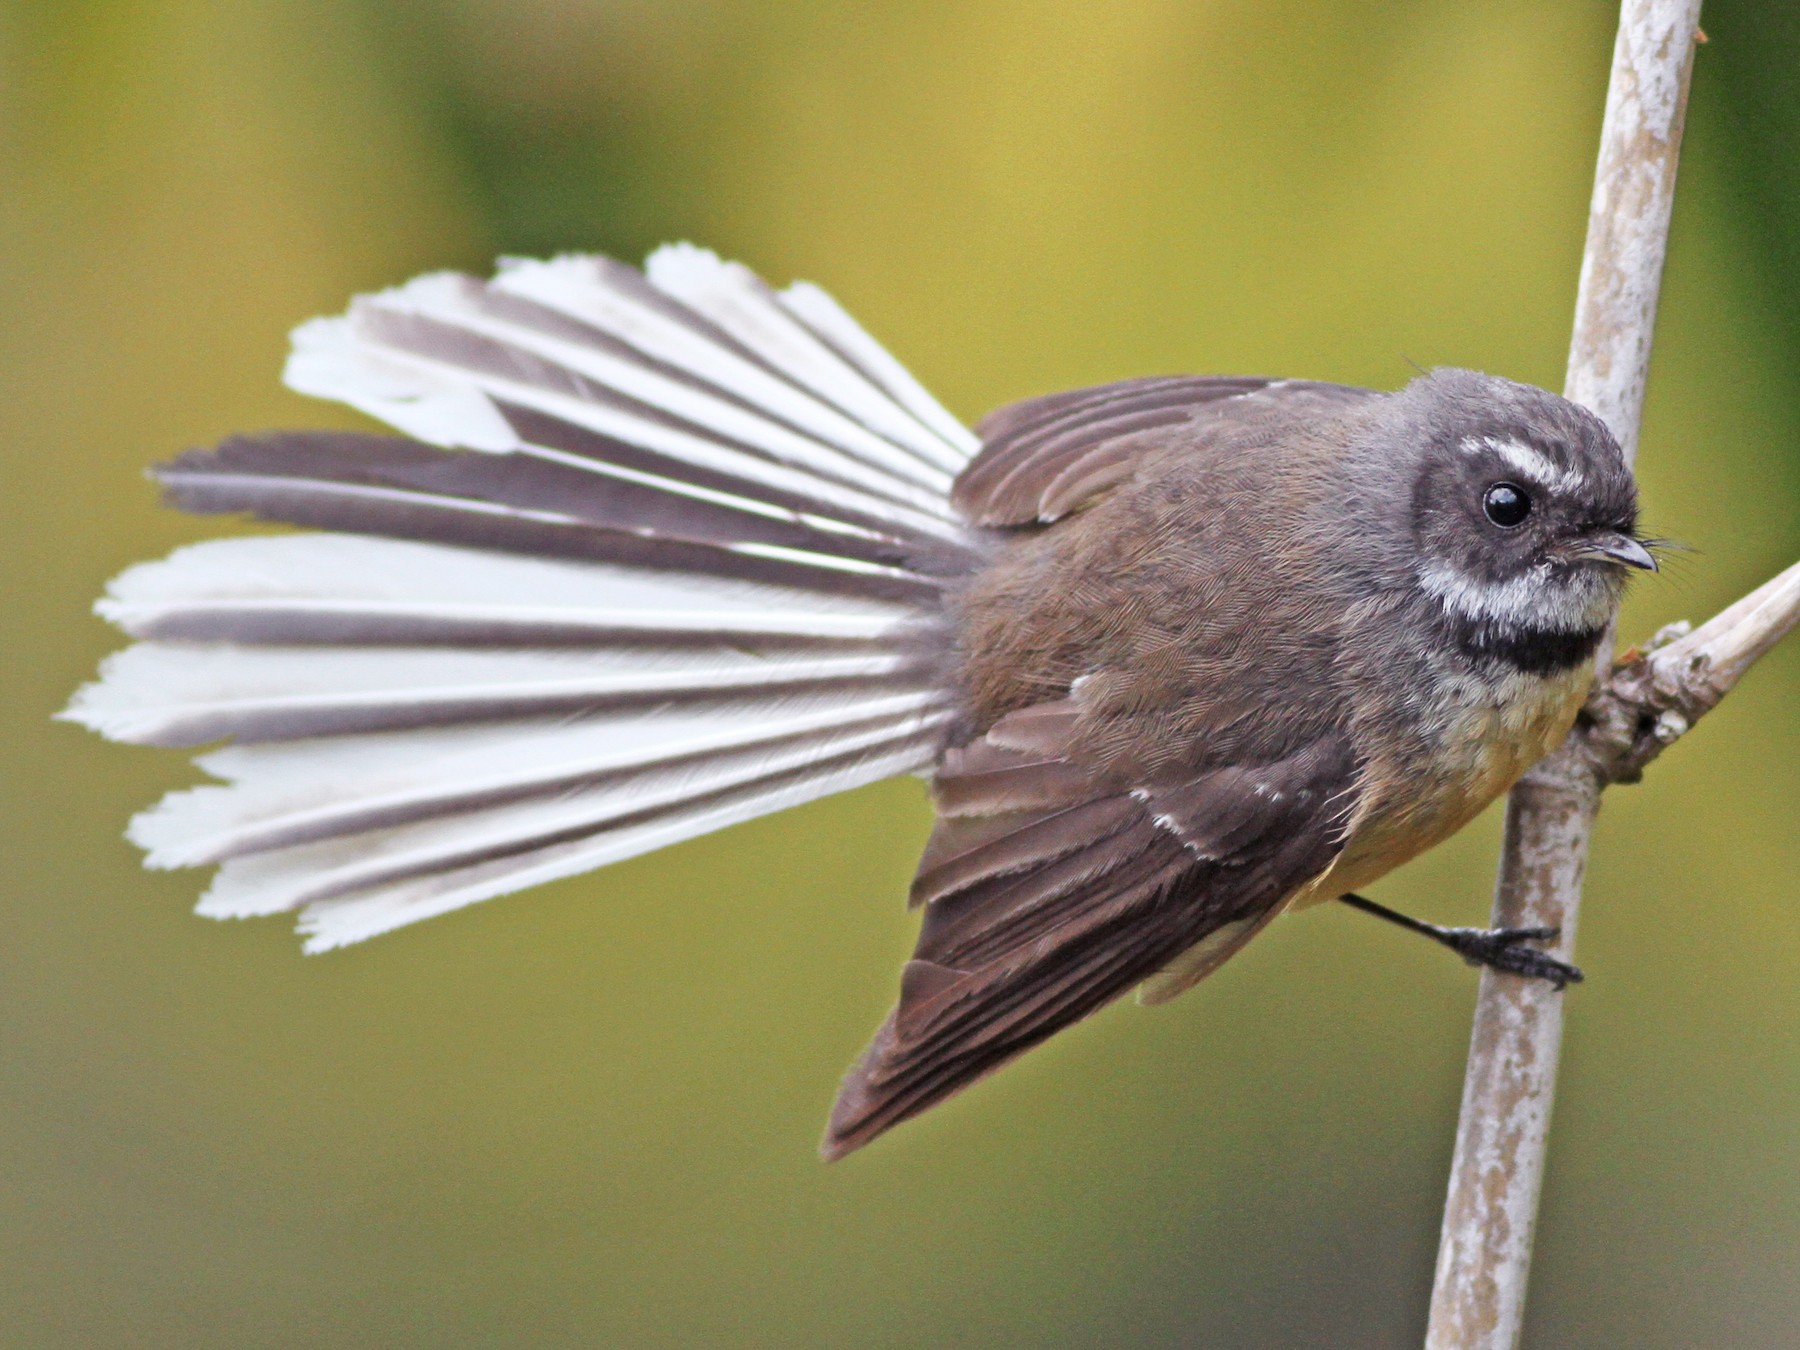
point(1506, 504)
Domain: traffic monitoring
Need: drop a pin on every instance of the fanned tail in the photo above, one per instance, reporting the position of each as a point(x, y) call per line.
point(665, 552)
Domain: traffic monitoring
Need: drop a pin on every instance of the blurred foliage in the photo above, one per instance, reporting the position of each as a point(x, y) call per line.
point(1757, 69)
point(586, 1116)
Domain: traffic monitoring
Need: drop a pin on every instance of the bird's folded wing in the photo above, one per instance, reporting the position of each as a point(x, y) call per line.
point(1047, 895)
point(1046, 458)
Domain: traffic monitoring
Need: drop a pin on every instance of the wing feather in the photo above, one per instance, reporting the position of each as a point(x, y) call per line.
point(1046, 458)
point(1037, 916)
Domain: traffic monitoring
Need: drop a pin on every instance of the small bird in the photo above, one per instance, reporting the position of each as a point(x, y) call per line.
point(663, 551)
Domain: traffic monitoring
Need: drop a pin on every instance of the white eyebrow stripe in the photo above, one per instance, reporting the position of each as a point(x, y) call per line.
point(1533, 464)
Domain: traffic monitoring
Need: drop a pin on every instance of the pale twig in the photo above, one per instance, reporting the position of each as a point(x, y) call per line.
point(1650, 699)
point(1655, 696)
point(1484, 1254)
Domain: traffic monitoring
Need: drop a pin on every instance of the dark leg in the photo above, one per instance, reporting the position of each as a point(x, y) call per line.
point(1496, 947)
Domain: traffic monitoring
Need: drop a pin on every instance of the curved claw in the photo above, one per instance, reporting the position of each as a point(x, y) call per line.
point(1500, 949)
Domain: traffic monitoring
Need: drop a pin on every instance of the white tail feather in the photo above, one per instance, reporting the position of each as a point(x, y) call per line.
point(450, 406)
point(953, 444)
point(274, 805)
point(288, 877)
point(579, 289)
point(328, 362)
point(186, 694)
point(732, 296)
point(420, 725)
point(348, 574)
point(851, 452)
point(336, 923)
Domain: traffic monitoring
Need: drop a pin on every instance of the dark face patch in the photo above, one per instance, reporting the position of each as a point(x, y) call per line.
point(1513, 483)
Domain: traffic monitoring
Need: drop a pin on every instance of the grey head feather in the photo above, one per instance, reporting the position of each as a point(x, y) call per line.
point(1534, 593)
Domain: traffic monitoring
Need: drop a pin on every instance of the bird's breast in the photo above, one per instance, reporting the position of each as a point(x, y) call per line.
point(1484, 733)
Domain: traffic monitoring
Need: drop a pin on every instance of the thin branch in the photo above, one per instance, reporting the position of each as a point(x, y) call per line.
point(1651, 698)
point(1484, 1254)
point(1655, 696)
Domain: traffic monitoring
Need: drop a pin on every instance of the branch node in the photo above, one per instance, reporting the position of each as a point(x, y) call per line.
point(1666, 636)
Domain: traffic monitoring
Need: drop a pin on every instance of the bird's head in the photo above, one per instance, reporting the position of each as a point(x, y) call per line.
point(1523, 510)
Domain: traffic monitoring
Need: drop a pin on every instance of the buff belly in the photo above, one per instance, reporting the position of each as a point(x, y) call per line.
point(1485, 747)
point(1488, 739)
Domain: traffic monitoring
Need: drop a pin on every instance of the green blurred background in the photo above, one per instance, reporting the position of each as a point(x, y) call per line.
point(586, 1116)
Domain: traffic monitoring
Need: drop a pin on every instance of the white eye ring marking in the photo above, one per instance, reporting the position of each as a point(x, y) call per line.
point(1533, 464)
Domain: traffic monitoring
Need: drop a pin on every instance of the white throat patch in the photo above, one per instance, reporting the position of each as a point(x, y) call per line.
point(1537, 599)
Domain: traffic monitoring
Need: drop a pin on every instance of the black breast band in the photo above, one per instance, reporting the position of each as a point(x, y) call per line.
point(1535, 651)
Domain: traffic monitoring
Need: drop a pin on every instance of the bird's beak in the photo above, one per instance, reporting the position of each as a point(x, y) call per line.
point(1622, 549)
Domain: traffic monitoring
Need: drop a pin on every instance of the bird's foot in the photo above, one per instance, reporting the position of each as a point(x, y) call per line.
point(1504, 949)
point(1496, 948)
